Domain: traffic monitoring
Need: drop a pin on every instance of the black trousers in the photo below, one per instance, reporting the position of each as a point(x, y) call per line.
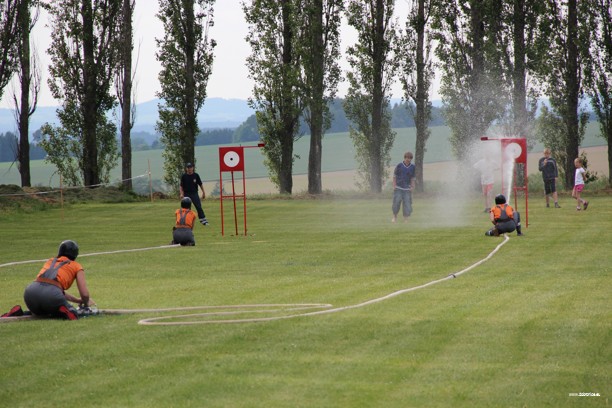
point(195, 199)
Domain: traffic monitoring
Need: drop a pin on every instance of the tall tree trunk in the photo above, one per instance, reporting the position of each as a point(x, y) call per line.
point(478, 70)
point(317, 98)
point(24, 110)
point(572, 82)
point(91, 174)
point(377, 99)
point(190, 114)
point(126, 95)
point(288, 118)
point(422, 108)
point(519, 97)
point(610, 157)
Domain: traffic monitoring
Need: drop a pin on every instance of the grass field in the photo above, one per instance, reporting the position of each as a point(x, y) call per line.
point(526, 328)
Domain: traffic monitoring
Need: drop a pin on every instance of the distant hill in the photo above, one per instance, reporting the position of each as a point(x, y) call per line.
point(42, 115)
point(216, 113)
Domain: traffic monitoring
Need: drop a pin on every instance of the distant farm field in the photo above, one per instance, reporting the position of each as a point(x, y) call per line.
point(338, 162)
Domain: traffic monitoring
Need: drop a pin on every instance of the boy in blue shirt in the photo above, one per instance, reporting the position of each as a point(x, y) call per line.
point(403, 183)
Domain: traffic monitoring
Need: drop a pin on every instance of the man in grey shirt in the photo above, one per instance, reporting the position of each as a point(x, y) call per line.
point(548, 166)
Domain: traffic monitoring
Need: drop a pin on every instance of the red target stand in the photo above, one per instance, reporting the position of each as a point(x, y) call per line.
point(514, 168)
point(231, 160)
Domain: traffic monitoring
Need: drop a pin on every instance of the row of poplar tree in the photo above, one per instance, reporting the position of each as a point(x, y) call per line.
point(496, 58)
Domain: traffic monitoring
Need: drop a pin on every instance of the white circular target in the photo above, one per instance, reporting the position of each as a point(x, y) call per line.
point(513, 150)
point(231, 159)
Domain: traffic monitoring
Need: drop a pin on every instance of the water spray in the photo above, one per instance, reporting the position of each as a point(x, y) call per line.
point(513, 157)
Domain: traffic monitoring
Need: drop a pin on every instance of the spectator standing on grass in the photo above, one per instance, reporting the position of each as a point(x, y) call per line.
point(579, 185)
point(47, 297)
point(182, 232)
point(487, 168)
point(190, 181)
point(403, 183)
point(548, 166)
point(504, 218)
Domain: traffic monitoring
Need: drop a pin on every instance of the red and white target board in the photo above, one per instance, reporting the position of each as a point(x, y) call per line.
point(514, 169)
point(231, 160)
point(514, 149)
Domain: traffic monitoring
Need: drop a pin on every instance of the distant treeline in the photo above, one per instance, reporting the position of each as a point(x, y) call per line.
point(246, 132)
point(8, 148)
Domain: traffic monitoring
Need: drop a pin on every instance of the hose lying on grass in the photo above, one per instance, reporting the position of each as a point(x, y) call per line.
point(217, 314)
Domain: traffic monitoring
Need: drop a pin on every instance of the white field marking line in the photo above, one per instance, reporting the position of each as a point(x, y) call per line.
point(158, 320)
point(94, 254)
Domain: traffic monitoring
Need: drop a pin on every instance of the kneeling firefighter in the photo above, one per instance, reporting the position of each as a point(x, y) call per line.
point(182, 232)
point(47, 296)
point(504, 218)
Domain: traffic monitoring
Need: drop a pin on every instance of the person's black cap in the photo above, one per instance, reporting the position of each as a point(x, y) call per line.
point(189, 165)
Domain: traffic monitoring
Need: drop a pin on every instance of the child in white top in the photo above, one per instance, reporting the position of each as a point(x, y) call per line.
point(579, 185)
point(487, 168)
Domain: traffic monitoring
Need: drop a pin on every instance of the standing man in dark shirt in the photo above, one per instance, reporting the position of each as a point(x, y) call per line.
point(190, 180)
point(548, 166)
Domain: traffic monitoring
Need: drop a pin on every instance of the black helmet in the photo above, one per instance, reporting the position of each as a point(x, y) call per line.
point(186, 202)
point(69, 249)
point(500, 199)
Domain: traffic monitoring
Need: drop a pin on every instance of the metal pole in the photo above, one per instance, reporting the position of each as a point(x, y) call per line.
point(62, 195)
point(221, 201)
point(150, 181)
point(526, 198)
point(234, 200)
point(244, 201)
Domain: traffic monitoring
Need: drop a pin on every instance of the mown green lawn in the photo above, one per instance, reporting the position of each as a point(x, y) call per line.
point(525, 329)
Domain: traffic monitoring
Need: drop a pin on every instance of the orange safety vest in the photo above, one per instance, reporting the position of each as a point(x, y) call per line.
point(185, 218)
point(497, 213)
point(60, 272)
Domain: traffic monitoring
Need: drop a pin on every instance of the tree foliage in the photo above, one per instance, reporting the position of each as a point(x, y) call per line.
point(124, 87)
point(275, 67)
point(472, 86)
point(186, 56)
point(8, 148)
point(64, 148)
point(416, 75)
point(9, 39)
point(374, 62)
point(29, 80)
point(599, 71)
point(248, 131)
point(319, 49)
point(565, 33)
point(84, 56)
point(520, 55)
